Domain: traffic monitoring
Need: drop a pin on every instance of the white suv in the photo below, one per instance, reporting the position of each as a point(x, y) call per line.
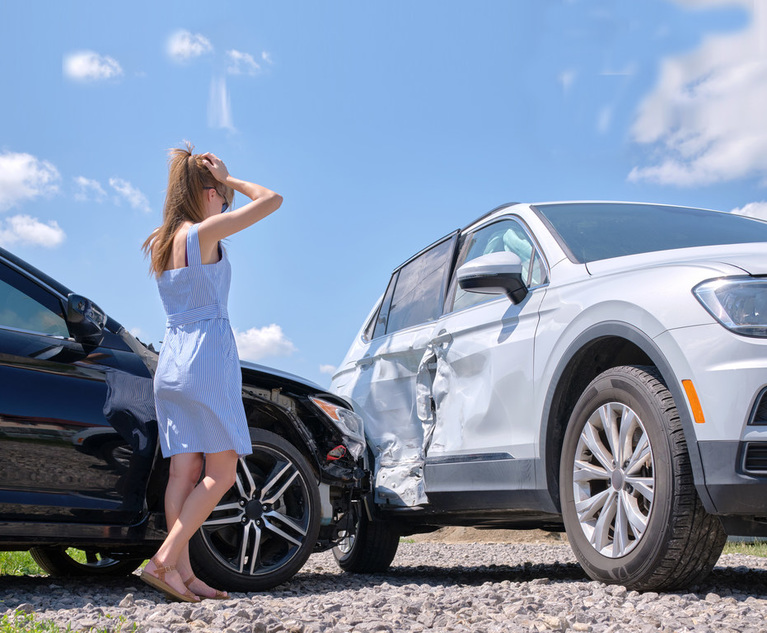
point(594, 365)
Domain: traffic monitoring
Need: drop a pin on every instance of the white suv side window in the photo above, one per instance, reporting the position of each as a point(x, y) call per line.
point(506, 235)
point(420, 288)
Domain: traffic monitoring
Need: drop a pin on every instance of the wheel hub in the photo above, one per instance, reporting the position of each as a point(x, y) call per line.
point(254, 509)
point(617, 479)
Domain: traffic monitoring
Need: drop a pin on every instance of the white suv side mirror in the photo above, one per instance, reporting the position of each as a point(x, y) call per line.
point(494, 273)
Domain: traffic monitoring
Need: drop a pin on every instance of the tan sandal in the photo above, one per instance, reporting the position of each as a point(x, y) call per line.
point(220, 595)
point(157, 580)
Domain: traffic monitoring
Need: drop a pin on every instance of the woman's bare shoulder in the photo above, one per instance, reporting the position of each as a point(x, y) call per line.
point(181, 232)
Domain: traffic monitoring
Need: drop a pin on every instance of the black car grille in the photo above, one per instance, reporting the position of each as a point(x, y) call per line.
point(755, 458)
point(760, 409)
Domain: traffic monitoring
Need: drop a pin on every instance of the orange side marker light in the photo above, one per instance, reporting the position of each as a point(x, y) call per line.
point(692, 397)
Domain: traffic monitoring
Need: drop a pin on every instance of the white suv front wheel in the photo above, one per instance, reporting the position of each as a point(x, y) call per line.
point(629, 503)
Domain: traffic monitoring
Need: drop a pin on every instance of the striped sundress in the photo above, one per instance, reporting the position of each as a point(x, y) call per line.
point(198, 382)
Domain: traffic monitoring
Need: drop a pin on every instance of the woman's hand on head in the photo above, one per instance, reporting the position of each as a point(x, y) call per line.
point(216, 166)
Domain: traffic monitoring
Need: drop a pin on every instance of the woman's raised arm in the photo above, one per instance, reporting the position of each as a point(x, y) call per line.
point(263, 202)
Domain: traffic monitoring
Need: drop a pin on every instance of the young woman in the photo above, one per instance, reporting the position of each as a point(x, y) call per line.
point(197, 385)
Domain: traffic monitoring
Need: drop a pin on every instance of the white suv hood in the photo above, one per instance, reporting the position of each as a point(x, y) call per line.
point(753, 264)
point(725, 260)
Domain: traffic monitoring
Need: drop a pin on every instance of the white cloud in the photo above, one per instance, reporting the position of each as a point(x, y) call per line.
point(753, 210)
point(136, 331)
point(604, 120)
point(183, 46)
point(257, 343)
point(134, 197)
point(90, 66)
point(219, 105)
point(566, 79)
point(28, 230)
point(704, 4)
point(627, 71)
point(87, 190)
point(705, 118)
point(24, 177)
point(328, 369)
point(267, 57)
point(242, 63)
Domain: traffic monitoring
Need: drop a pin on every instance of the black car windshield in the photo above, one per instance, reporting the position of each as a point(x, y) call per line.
point(594, 231)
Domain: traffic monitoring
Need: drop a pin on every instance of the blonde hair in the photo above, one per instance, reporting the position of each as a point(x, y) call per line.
point(188, 177)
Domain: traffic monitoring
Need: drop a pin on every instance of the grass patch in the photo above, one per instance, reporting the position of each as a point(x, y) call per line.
point(22, 563)
point(756, 548)
point(25, 623)
point(18, 564)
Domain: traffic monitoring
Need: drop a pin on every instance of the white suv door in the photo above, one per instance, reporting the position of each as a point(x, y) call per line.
point(385, 379)
point(481, 375)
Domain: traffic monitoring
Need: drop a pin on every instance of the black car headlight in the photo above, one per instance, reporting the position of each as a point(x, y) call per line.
point(348, 422)
point(738, 303)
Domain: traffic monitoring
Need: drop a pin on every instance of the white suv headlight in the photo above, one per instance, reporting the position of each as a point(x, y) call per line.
point(738, 303)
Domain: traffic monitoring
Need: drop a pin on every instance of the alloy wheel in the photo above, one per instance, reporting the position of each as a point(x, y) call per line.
point(613, 479)
point(262, 523)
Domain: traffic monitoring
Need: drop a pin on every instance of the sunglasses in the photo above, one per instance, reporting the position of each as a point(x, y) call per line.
point(224, 206)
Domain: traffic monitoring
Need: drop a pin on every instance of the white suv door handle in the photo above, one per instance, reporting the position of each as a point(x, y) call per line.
point(365, 362)
point(442, 338)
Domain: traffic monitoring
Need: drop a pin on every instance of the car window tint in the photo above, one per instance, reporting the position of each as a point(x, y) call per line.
point(594, 231)
point(419, 291)
point(508, 236)
point(20, 311)
point(368, 331)
point(379, 322)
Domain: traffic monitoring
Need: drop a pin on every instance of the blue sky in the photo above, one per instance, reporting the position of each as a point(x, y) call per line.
point(384, 125)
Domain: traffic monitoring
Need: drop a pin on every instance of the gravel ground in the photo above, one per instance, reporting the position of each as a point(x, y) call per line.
point(477, 587)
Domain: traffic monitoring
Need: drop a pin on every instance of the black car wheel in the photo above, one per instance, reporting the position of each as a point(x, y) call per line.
point(628, 499)
point(369, 548)
point(64, 561)
point(266, 526)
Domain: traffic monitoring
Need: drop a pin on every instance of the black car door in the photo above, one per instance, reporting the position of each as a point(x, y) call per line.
point(77, 431)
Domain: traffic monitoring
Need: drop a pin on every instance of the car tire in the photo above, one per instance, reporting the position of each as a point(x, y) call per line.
point(57, 561)
point(266, 526)
point(370, 549)
point(629, 504)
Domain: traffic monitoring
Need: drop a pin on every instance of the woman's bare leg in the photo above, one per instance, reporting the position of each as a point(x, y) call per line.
point(184, 565)
point(188, 510)
point(184, 475)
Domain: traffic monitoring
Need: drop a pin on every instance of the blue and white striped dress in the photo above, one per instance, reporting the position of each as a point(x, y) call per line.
point(198, 382)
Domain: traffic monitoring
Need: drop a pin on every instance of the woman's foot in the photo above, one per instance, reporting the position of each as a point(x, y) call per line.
point(204, 590)
point(168, 580)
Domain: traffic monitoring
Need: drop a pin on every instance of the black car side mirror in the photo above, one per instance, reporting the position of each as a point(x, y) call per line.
point(494, 273)
point(85, 320)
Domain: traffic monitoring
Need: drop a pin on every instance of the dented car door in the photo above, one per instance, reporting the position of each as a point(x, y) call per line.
point(476, 380)
point(385, 378)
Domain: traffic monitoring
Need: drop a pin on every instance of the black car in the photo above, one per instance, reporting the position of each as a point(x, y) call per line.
point(80, 465)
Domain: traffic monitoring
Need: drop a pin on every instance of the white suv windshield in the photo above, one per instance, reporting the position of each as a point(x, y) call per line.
point(594, 231)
